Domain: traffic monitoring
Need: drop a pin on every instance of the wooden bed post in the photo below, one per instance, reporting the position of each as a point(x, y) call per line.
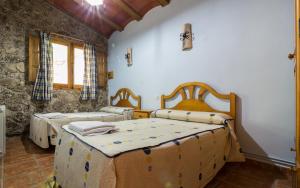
point(162, 102)
point(233, 105)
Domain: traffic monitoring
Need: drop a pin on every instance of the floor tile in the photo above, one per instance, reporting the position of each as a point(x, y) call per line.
point(1, 171)
point(27, 165)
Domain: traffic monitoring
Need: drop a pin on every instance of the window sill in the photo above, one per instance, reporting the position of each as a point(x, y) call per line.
point(66, 87)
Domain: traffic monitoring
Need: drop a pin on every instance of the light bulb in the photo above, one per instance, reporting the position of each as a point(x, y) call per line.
point(95, 2)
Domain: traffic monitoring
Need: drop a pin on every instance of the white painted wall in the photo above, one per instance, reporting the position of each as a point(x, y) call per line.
point(240, 46)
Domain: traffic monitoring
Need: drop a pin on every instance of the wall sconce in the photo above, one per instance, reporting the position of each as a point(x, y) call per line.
point(128, 57)
point(187, 37)
point(110, 75)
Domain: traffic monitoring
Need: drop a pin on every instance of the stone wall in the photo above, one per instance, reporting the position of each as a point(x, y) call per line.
point(18, 18)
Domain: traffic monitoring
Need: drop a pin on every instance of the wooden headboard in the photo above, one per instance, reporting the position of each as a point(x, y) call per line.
point(196, 102)
point(122, 97)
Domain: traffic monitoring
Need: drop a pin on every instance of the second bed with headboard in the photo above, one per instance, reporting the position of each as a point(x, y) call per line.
point(47, 125)
point(182, 146)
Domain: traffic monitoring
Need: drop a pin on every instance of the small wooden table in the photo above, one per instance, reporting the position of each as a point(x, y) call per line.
point(141, 114)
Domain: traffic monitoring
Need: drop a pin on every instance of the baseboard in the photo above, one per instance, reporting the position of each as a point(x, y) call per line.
point(269, 160)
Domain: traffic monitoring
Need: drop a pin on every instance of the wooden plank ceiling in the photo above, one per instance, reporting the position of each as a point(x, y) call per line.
point(111, 16)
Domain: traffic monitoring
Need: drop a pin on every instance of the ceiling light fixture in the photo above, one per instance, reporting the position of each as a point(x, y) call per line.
point(95, 2)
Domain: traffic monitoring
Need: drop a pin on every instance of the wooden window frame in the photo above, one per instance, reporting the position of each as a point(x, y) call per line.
point(34, 51)
point(71, 46)
point(102, 69)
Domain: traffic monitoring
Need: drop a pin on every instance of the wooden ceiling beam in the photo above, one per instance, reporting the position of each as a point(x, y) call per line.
point(101, 16)
point(163, 2)
point(109, 21)
point(129, 10)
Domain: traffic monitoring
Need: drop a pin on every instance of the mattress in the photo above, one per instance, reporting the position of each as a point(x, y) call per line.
point(45, 127)
point(190, 158)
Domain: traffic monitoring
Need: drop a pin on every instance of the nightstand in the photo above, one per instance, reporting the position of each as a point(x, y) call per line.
point(141, 114)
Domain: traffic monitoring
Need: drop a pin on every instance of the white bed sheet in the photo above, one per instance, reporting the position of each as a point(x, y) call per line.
point(42, 127)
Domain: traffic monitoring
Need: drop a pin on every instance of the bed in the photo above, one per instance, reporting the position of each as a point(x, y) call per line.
point(45, 127)
point(183, 146)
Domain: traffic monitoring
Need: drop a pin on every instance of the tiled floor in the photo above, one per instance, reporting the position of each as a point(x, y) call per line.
point(26, 165)
point(1, 171)
point(252, 174)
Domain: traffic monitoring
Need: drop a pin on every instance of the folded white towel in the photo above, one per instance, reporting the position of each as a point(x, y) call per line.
point(103, 130)
point(84, 126)
point(55, 115)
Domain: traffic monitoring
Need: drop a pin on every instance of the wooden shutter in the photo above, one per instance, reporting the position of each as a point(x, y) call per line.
point(34, 57)
point(102, 69)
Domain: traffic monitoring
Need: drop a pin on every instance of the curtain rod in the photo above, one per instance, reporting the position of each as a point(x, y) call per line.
point(65, 36)
point(72, 38)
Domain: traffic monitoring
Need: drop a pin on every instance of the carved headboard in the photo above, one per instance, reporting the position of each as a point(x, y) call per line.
point(192, 101)
point(122, 97)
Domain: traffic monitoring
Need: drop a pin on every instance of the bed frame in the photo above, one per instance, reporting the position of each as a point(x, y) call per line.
point(192, 102)
point(122, 96)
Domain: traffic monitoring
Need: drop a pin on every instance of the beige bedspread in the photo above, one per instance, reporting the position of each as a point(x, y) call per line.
point(187, 161)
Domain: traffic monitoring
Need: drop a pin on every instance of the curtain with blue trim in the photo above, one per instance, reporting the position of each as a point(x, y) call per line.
point(89, 89)
point(44, 82)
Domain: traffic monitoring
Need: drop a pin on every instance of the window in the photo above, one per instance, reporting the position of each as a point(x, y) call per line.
point(60, 64)
point(78, 66)
point(68, 63)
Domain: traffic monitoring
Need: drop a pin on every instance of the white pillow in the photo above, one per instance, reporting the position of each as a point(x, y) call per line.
point(115, 109)
point(201, 117)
